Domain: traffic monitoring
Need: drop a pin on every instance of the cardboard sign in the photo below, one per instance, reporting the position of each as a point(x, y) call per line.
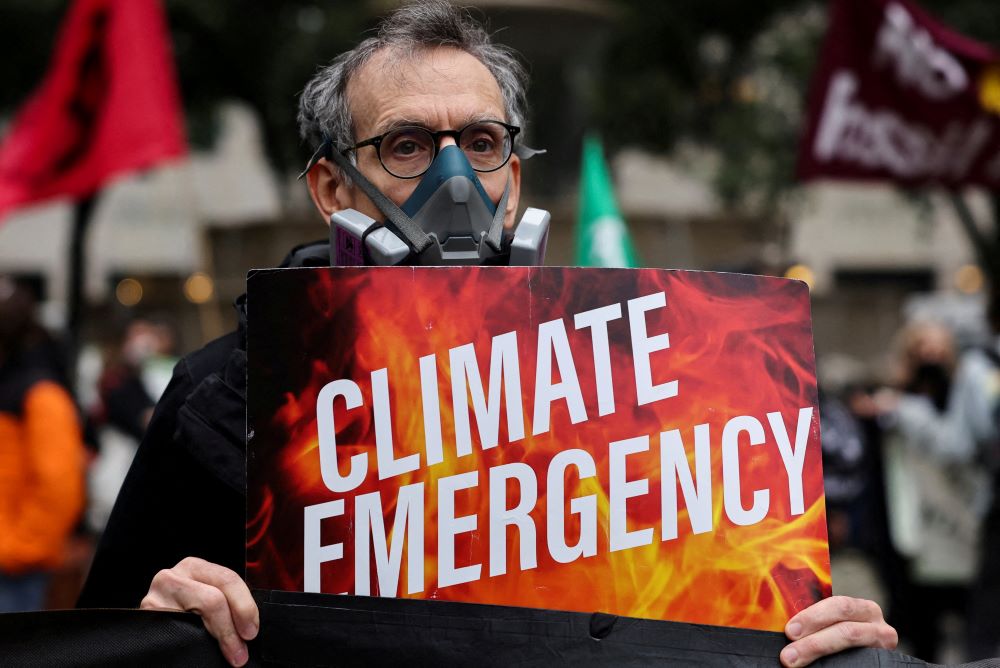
point(637, 442)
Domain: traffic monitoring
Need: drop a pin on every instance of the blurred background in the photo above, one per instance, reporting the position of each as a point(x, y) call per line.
point(700, 107)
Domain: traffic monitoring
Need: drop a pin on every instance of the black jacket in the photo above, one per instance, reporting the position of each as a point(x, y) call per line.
point(185, 493)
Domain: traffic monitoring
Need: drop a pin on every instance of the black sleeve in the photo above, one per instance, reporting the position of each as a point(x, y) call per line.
point(184, 494)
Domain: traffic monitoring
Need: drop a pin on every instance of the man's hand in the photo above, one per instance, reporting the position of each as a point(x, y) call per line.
point(217, 594)
point(835, 624)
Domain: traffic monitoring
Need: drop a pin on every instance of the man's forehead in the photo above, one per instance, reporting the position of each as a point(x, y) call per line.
point(428, 87)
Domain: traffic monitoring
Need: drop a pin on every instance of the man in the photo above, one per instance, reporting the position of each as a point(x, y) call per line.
point(432, 67)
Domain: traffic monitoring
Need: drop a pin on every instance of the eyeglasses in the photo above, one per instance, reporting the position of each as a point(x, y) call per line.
point(407, 152)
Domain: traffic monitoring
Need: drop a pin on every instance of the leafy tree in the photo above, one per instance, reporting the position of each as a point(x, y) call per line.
point(733, 77)
point(261, 53)
point(701, 71)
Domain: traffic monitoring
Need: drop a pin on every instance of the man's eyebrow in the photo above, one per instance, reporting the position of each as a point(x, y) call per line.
point(421, 123)
point(485, 116)
point(401, 123)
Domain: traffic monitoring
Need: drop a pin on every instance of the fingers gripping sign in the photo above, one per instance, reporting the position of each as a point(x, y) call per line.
point(217, 594)
point(835, 624)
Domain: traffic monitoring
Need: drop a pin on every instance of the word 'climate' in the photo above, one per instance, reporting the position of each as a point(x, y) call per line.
point(553, 354)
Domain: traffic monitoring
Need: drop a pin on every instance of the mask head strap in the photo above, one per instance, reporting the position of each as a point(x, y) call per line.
point(494, 236)
point(416, 238)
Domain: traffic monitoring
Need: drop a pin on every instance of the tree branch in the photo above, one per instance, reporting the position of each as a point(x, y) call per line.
point(982, 245)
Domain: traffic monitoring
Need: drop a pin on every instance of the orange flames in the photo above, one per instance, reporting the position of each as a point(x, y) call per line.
point(739, 345)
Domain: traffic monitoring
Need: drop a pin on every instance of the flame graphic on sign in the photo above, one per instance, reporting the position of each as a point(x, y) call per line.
point(739, 345)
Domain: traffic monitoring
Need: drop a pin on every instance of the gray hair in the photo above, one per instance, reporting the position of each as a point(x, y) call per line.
point(323, 108)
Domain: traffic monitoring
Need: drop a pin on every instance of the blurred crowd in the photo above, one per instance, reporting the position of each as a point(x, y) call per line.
point(910, 467)
point(68, 433)
point(910, 464)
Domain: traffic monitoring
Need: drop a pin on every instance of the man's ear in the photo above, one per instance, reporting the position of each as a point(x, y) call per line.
point(328, 189)
point(509, 219)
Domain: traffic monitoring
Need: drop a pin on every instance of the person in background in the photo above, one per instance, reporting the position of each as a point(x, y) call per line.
point(977, 396)
point(42, 455)
point(136, 369)
point(934, 490)
point(844, 458)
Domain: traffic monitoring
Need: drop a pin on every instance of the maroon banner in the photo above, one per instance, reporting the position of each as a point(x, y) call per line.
point(899, 96)
point(109, 104)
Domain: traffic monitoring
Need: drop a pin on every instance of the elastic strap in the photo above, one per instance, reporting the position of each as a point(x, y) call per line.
point(416, 238)
point(493, 238)
point(364, 238)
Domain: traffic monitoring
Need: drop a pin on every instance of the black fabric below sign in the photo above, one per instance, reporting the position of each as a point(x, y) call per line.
point(106, 638)
point(322, 630)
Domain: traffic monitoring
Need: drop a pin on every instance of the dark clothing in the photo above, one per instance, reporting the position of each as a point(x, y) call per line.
point(184, 495)
point(124, 400)
point(983, 631)
point(984, 609)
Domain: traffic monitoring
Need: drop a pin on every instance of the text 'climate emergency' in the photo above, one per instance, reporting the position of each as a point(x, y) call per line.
point(513, 489)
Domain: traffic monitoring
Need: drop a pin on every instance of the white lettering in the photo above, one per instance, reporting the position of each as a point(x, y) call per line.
point(432, 409)
point(314, 553)
point(731, 472)
point(552, 340)
point(585, 507)
point(328, 437)
point(597, 320)
point(408, 525)
point(643, 346)
point(793, 457)
point(697, 496)
point(881, 139)
point(450, 526)
point(502, 517)
point(388, 465)
point(916, 60)
point(621, 491)
point(504, 369)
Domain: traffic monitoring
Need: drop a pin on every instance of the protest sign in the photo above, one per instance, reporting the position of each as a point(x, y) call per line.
point(638, 442)
point(898, 96)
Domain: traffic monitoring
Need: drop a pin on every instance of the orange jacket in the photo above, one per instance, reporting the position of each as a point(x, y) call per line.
point(41, 476)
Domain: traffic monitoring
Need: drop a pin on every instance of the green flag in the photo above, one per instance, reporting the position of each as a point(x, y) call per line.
point(602, 239)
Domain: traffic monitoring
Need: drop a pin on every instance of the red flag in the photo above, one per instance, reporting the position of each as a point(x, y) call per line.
point(109, 104)
point(898, 96)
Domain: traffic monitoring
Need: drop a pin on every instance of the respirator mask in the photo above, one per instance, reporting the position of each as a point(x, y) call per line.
point(448, 219)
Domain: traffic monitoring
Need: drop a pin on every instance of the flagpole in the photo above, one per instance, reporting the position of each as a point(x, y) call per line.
point(986, 245)
point(110, 80)
point(83, 212)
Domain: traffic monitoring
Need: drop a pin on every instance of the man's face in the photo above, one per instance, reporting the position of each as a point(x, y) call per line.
point(440, 89)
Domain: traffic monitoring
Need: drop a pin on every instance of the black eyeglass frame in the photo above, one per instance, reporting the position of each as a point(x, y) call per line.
point(436, 135)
